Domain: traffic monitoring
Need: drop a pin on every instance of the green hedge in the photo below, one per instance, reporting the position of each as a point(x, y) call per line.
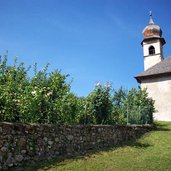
point(46, 98)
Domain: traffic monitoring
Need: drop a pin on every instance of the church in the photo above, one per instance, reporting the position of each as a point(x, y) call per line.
point(156, 77)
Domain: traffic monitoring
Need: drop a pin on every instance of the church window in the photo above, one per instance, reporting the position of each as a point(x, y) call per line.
point(151, 50)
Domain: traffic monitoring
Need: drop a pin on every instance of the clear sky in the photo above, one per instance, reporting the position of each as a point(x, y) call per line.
point(92, 40)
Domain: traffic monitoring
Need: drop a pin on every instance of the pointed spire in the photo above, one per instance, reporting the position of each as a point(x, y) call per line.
point(151, 20)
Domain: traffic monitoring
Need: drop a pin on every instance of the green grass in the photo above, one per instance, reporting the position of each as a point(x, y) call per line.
point(152, 152)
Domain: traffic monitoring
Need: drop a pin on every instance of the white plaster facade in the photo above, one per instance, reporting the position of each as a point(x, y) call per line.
point(150, 60)
point(159, 89)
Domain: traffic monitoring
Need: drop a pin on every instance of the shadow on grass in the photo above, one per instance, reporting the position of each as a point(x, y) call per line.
point(162, 126)
point(63, 160)
point(140, 145)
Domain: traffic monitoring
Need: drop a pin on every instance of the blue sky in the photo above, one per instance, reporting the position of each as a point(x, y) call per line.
point(92, 40)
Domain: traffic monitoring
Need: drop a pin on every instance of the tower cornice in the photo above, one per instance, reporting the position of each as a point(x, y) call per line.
point(162, 40)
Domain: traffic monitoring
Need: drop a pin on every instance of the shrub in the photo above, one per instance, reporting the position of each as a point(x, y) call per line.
point(99, 103)
point(119, 115)
point(46, 98)
point(140, 107)
point(133, 107)
point(32, 100)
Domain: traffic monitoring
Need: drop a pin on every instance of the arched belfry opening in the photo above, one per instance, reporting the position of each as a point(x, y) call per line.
point(151, 50)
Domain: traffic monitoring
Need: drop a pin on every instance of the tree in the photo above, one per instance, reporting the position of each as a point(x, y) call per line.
point(46, 98)
point(139, 106)
point(100, 104)
point(119, 112)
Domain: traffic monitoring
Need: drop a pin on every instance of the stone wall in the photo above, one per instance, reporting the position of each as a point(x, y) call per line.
point(21, 143)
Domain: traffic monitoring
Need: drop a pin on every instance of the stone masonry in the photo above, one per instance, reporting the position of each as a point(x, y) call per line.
point(22, 143)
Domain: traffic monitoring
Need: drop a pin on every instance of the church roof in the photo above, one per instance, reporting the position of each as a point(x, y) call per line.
point(152, 29)
point(161, 68)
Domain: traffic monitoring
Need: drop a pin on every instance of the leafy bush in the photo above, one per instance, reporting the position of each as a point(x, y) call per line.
point(140, 108)
point(133, 107)
point(100, 104)
point(46, 98)
point(36, 100)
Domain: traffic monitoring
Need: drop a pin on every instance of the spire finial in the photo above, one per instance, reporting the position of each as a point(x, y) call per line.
point(150, 12)
point(151, 20)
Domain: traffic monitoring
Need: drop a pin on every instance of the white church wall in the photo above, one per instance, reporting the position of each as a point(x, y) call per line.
point(151, 60)
point(160, 90)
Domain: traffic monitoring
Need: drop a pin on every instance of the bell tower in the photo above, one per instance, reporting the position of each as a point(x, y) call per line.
point(152, 44)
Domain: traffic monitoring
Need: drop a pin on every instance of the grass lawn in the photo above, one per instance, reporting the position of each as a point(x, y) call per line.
point(152, 152)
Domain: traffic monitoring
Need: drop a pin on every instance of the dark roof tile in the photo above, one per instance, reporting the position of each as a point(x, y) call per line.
point(163, 67)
